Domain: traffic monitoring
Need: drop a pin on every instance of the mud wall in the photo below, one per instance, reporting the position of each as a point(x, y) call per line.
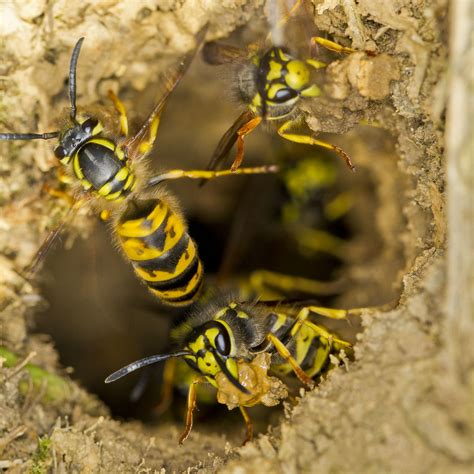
point(404, 404)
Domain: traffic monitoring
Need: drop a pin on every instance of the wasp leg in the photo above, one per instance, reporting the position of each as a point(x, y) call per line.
point(241, 134)
point(248, 424)
point(333, 313)
point(63, 178)
point(332, 46)
point(166, 397)
point(121, 110)
point(190, 408)
point(316, 240)
point(285, 354)
point(228, 139)
point(337, 48)
point(57, 193)
point(284, 132)
point(260, 280)
point(205, 174)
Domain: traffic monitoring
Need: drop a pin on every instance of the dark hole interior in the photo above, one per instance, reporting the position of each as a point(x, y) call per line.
point(100, 317)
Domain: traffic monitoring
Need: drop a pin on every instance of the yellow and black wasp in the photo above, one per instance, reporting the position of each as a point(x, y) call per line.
point(231, 346)
point(106, 169)
point(272, 83)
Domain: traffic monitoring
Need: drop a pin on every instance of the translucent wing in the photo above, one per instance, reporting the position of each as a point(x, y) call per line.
point(228, 140)
point(219, 53)
point(51, 239)
point(140, 144)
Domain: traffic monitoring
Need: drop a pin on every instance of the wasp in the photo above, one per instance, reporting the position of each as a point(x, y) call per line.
point(106, 167)
point(233, 346)
point(272, 83)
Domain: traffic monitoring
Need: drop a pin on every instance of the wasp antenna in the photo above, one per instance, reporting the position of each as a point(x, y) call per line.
point(72, 77)
point(29, 136)
point(227, 373)
point(138, 364)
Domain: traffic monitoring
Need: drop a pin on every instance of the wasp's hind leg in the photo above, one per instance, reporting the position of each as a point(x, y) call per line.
point(285, 132)
point(121, 110)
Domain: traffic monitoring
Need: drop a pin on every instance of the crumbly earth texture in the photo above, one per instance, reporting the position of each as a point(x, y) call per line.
point(405, 404)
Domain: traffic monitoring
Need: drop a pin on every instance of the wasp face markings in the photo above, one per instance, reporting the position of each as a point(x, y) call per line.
point(222, 343)
point(280, 81)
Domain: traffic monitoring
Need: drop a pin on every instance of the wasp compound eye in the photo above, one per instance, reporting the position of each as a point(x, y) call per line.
point(284, 95)
point(222, 342)
point(60, 152)
point(89, 125)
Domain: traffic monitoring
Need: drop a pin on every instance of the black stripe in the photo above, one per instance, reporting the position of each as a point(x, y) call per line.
point(167, 261)
point(156, 239)
point(187, 297)
point(179, 281)
point(116, 185)
point(284, 329)
point(308, 361)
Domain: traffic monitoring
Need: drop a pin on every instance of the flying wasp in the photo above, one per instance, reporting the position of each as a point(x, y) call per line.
point(232, 347)
point(106, 169)
point(272, 83)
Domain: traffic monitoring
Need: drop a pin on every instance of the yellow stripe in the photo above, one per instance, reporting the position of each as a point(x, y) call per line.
point(76, 167)
point(130, 181)
point(114, 196)
point(85, 184)
point(105, 190)
point(120, 153)
point(283, 56)
point(279, 322)
point(146, 146)
point(302, 345)
point(134, 227)
point(65, 160)
point(135, 249)
point(184, 261)
point(122, 174)
point(173, 294)
point(104, 142)
point(320, 358)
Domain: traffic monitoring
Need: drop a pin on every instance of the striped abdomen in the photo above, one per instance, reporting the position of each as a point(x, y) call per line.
point(155, 240)
point(310, 345)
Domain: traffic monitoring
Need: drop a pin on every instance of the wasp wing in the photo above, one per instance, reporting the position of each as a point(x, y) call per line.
point(51, 239)
point(228, 140)
point(140, 144)
point(217, 54)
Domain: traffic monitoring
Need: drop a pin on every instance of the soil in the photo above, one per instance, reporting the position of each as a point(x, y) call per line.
point(405, 404)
